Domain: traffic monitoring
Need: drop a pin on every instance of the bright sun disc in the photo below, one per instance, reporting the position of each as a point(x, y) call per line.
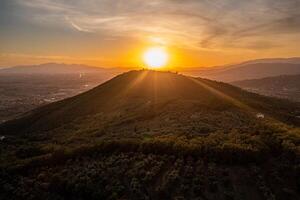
point(155, 57)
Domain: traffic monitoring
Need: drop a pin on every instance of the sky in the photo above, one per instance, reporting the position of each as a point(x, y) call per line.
point(115, 33)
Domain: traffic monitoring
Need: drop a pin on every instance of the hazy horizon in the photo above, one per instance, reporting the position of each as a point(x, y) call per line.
point(143, 67)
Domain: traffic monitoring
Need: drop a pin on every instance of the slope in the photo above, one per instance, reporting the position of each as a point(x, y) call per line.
point(154, 135)
point(140, 92)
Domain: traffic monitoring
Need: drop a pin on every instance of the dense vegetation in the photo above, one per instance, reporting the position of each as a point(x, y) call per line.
point(150, 176)
point(153, 135)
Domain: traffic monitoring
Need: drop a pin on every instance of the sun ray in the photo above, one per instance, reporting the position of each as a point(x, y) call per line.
point(233, 100)
point(223, 95)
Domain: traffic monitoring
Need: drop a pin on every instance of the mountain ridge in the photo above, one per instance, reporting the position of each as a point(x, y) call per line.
point(250, 69)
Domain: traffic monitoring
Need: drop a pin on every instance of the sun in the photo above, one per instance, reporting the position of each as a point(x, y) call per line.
point(155, 57)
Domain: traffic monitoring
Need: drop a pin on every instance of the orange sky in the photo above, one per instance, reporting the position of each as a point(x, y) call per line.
point(114, 33)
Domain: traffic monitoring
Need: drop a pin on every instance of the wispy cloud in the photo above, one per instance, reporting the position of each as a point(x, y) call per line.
point(206, 24)
point(210, 25)
point(76, 26)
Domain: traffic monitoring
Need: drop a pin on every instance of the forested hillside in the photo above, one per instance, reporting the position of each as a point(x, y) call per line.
point(154, 135)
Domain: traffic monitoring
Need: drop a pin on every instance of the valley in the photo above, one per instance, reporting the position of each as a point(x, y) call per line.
point(284, 86)
point(21, 93)
point(23, 88)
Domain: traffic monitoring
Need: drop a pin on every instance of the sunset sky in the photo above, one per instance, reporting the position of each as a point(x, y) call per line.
point(115, 33)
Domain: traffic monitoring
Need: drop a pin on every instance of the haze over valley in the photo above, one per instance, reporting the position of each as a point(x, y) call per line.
point(24, 88)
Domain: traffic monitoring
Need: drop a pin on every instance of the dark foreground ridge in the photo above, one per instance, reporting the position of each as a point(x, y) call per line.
point(154, 135)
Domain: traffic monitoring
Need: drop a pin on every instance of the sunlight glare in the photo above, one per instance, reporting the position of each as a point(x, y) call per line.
point(155, 57)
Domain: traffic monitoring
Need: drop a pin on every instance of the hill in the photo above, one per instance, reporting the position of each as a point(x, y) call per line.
point(285, 86)
point(250, 70)
point(154, 135)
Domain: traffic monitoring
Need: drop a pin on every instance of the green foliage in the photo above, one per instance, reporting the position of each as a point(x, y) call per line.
point(190, 143)
point(148, 176)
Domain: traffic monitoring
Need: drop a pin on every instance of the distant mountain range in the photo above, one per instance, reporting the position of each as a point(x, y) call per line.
point(56, 68)
point(285, 86)
point(255, 69)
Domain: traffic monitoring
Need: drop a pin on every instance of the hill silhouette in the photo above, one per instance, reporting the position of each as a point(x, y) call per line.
point(159, 135)
point(137, 93)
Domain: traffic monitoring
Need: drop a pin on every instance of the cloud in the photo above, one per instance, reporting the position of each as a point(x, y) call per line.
point(76, 26)
point(203, 24)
